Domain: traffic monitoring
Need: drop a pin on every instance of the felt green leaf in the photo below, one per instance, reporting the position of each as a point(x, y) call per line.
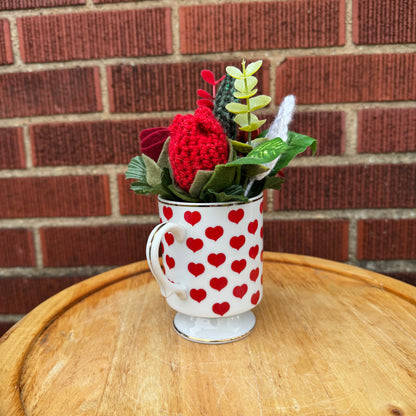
point(181, 194)
point(259, 102)
point(297, 143)
point(244, 95)
point(237, 108)
point(274, 182)
point(253, 170)
point(234, 72)
point(153, 171)
point(163, 161)
point(241, 147)
point(201, 178)
point(263, 153)
point(141, 188)
point(136, 169)
point(231, 193)
point(245, 84)
point(253, 68)
point(222, 177)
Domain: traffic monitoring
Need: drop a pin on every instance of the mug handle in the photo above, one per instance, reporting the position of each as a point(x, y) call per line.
point(167, 288)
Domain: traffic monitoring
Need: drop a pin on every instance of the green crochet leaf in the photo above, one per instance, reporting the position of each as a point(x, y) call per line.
point(224, 96)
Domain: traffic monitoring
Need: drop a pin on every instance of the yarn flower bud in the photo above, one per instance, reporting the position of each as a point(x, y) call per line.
point(197, 142)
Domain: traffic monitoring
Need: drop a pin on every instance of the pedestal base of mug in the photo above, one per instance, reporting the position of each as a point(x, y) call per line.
point(214, 330)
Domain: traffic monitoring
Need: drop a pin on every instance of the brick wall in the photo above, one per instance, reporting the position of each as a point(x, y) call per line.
point(80, 78)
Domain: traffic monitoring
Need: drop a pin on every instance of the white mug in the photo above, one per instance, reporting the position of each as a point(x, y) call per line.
point(213, 267)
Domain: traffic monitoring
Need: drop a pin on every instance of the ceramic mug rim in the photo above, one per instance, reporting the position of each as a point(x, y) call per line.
point(208, 204)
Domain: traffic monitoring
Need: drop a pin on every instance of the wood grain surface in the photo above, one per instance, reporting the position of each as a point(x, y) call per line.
point(330, 339)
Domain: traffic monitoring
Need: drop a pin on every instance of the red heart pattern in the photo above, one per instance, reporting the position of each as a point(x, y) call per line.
point(170, 239)
point(198, 294)
point(167, 213)
point(216, 259)
point(240, 291)
point(194, 244)
point(218, 283)
point(214, 233)
point(254, 274)
point(236, 215)
point(170, 262)
point(196, 268)
point(237, 242)
point(221, 308)
point(223, 294)
point(253, 251)
point(238, 265)
point(252, 227)
point(192, 217)
point(255, 298)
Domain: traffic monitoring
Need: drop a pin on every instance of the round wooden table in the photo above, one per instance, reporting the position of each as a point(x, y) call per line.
point(330, 339)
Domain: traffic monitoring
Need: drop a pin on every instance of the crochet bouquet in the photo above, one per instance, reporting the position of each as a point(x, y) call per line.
point(219, 153)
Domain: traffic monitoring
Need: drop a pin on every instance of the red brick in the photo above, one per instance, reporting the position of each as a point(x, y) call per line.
point(88, 143)
point(347, 78)
point(5, 326)
point(6, 52)
point(384, 21)
point(321, 238)
point(12, 152)
point(54, 196)
point(407, 277)
point(327, 127)
point(126, 33)
point(286, 24)
point(386, 239)
point(31, 4)
point(113, 1)
point(164, 87)
point(100, 245)
point(21, 294)
point(132, 204)
point(386, 130)
point(347, 187)
point(75, 90)
point(17, 249)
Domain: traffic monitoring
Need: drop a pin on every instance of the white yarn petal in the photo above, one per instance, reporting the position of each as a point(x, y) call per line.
point(279, 128)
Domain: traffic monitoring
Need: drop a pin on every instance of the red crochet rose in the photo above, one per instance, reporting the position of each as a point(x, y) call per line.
point(197, 142)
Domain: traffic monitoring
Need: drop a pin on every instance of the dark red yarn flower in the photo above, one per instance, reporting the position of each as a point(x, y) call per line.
point(197, 142)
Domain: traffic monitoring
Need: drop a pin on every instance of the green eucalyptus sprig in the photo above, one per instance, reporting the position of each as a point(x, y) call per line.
point(245, 85)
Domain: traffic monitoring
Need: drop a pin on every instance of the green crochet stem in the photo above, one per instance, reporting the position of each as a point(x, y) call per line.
point(225, 95)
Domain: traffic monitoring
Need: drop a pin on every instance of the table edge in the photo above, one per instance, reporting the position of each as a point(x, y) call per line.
point(18, 340)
